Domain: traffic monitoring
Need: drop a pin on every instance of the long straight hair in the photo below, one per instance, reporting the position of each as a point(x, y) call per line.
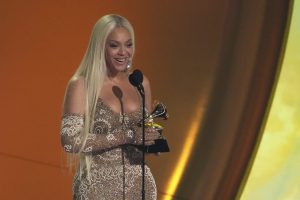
point(94, 70)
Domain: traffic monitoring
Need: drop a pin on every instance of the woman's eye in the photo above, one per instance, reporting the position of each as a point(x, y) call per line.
point(113, 45)
point(129, 45)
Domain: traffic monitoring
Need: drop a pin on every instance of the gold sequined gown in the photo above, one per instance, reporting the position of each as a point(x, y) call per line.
point(115, 172)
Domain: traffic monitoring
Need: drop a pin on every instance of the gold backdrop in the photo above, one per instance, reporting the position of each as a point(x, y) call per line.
point(213, 63)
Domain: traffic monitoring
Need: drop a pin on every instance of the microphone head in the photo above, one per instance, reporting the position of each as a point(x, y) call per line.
point(136, 78)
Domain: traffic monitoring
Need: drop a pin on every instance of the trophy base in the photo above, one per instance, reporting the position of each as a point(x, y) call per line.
point(160, 146)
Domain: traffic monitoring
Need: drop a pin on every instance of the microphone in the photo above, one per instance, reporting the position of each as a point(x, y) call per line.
point(136, 79)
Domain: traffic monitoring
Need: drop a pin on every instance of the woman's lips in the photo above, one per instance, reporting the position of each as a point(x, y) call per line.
point(120, 60)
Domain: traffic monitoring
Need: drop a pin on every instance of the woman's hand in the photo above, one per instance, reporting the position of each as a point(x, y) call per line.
point(150, 135)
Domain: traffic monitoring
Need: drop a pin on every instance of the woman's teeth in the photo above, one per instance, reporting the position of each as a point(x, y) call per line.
point(120, 60)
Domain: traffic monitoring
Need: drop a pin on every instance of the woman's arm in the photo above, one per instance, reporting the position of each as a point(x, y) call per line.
point(73, 123)
point(72, 139)
point(148, 98)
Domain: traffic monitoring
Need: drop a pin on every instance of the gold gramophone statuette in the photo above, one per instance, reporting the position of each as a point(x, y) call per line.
point(160, 145)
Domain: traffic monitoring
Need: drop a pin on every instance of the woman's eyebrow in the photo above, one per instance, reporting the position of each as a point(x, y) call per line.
point(111, 40)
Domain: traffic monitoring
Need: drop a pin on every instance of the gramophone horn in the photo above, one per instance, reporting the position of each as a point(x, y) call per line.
point(160, 111)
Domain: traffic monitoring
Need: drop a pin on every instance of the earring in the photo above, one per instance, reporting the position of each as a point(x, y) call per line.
point(128, 65)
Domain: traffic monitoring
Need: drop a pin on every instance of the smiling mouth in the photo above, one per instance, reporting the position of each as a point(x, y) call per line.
point(121, 60)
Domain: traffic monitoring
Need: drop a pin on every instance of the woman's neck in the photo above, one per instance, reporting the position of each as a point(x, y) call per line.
point(117, 77)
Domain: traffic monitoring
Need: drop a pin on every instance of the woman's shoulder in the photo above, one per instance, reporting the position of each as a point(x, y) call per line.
point(145, 80)
point(76, 84)
point(75, 96)
point(76, 80)
point(146, 84)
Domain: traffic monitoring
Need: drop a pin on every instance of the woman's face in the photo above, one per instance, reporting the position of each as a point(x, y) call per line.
point(119, 49)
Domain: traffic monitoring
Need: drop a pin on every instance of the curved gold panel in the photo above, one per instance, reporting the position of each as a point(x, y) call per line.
point(275, 172)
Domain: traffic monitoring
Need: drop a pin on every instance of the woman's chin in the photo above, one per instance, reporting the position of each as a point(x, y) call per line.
point(120, 68)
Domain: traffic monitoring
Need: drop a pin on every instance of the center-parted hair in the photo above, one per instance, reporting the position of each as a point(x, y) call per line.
point(93, 69)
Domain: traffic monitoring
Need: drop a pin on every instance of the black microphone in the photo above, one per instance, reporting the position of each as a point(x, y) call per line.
point(136, 79)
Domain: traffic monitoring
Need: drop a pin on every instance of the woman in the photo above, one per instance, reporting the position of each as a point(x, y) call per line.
point(100, 119)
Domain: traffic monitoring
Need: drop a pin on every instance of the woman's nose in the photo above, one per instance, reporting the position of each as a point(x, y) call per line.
point(121, 50)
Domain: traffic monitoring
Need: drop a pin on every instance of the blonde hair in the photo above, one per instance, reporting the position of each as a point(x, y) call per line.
point(93, 69)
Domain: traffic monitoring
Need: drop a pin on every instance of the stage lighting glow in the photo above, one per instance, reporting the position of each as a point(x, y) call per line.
point(186, 152)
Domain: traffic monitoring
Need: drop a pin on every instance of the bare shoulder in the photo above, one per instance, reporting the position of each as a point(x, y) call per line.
point(77, 82)
point(76, 86)
point(75, 96)
point(146, 82)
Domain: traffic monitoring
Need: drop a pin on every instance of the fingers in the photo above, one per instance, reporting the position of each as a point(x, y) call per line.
point(151, 134)
point(150, 142)
point(147, 142)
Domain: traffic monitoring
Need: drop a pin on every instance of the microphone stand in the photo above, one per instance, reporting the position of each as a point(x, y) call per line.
point(136, 79)
point(141, 91)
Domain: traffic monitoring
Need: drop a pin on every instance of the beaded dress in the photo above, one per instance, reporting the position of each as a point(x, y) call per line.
point(115, 171)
